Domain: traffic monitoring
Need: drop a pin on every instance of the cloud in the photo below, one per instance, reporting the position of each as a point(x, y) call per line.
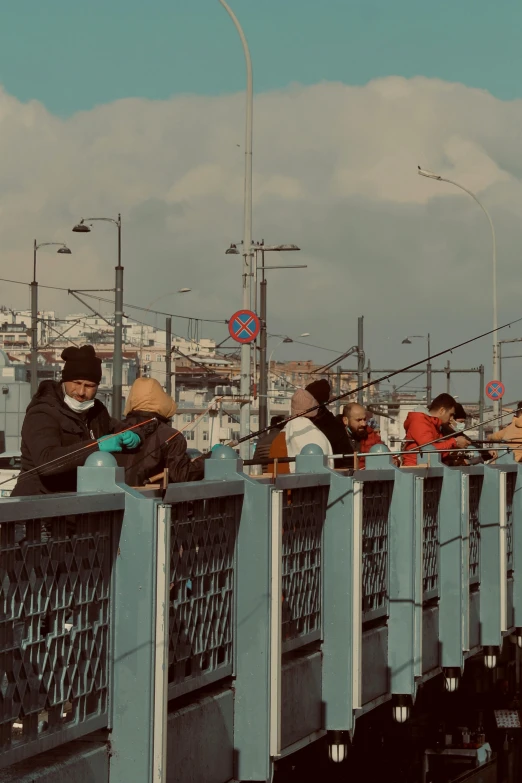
point(335, 171)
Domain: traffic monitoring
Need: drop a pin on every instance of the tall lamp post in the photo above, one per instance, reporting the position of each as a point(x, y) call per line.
point(431, 175)
point(407, 341)
point(285, 340)
point(263, 374)
point(117, 361)
point(244, 422)
point(62, 248)
point(168, 345)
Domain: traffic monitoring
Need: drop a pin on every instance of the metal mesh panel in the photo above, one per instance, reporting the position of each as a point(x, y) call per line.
point(475, 491)
point(430, 573)
point(304, 512)
point(377, 497)
point(511, 479)
point(203, 538)
point(54, 628)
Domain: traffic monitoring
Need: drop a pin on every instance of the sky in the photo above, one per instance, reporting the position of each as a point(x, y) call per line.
point(139, 108)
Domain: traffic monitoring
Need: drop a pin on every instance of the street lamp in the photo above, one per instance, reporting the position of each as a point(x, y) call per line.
point(168, 341)
point(62, 249)
point(431, 175)
point(274, 349)
point(263, 374)
point(244, 425)
point(407, 341)
point(117, 361)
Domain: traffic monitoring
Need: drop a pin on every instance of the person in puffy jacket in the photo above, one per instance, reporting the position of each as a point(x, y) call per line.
point(424, 426)
point(330, 425)
point(361, 436)
point(63, 424)
point(512, 433)
point(163, 447)
point(298, 432)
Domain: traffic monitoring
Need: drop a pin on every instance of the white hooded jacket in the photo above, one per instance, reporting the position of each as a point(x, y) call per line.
point(299, 433)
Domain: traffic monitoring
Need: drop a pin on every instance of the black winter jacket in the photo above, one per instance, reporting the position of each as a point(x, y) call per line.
point(335, 431)
point(52, 430)
point(158, 451)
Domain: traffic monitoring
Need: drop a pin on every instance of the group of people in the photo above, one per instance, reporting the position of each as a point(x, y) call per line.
point(350, 435)
point(64, 423)
point(344, 437)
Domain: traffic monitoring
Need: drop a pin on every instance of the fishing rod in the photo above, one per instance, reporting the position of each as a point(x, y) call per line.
point(66, 457)
point(378, 380)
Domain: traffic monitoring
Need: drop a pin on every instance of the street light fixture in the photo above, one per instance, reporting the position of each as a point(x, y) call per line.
point(117, 361)
point(244, 424)
point(263, 371)
point(285, 340)
point(63, 250)
point(432, 175)
point(168, 341)
point(408, 341)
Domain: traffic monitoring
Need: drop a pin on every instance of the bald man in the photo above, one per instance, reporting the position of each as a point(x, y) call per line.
point(362, 437)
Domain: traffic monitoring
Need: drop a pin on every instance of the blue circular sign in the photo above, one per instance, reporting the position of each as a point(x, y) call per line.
point(495, 390)
point(244, 326)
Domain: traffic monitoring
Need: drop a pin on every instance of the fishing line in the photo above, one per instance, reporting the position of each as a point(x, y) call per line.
point(67, 457)
point(379, 380)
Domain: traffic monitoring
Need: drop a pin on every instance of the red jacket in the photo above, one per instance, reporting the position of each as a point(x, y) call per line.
point(370, 440)
point(421, 429)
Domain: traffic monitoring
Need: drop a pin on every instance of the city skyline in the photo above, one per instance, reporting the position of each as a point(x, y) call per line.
point(335, 162)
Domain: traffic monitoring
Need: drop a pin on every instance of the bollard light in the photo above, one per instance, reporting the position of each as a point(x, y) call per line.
point(451, 679)
point(490, 657)
point(338, 746)
point(401, 708)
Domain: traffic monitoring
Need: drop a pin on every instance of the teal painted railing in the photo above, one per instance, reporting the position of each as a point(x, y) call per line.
point(117, 608)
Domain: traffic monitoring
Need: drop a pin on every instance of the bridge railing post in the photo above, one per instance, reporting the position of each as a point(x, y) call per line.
point(138, 708)
point(257, 700)
point(342, 594)
point(405, 546)
point(454, 580)
point(493, 566)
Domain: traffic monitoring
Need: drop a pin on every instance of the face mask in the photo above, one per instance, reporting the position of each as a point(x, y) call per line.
point(459, 425)
point(76, 405)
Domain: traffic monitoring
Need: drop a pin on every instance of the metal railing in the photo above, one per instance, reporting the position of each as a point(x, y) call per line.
point(476, 482)
point(511, 478)
point(430, 547)
point(204, 522)
point(377, 496)
point(304, 514)
point(56, 561)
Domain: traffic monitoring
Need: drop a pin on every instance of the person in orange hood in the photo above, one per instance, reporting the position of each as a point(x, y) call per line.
point(424, 426)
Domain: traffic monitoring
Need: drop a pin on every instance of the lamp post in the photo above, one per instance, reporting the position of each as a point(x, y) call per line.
point(263, 374)
point(274, 349)
point(62, 248)
point(244, 424)
point(168, 333)
point(431, 175)
point(117, 361)
point(407, 341)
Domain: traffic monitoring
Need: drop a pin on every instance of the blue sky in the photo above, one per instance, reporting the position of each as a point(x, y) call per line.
point(71, 55)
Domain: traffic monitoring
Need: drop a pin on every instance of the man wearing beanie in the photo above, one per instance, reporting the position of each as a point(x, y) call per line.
point(63, 417)
point(329, 425)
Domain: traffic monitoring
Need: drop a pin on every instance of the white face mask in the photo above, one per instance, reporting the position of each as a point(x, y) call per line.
point(459, 425)
point(76, 405)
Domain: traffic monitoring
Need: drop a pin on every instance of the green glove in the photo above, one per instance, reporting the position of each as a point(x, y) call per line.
point(117, 443)
point(130, 439)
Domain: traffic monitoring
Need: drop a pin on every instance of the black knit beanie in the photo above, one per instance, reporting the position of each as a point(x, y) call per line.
point(319, 389)
point(81, 364)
